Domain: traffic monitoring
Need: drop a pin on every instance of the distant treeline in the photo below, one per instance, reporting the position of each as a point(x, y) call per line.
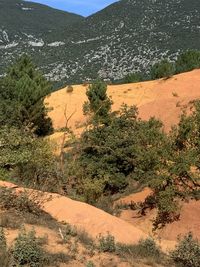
point(165, 68)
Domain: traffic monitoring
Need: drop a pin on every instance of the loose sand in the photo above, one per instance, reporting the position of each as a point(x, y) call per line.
point(163, 99)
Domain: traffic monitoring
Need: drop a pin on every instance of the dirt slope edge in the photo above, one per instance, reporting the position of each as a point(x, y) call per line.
point(94, 221)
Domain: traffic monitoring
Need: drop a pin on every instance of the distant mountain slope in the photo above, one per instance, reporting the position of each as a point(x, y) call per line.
point(25, 26)
point(17, 15)
point(127, 36)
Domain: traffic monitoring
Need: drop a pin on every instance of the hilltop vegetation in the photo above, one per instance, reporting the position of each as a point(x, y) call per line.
point(186, 61)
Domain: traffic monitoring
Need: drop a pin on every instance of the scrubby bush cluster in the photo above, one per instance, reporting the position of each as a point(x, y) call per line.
point(187, 252)
point(106, 243)
point(26, 250)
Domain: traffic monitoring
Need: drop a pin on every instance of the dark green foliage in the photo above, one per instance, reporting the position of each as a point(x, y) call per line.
point(111, 156)
point(22, 93)
point(163, 69)
point(43, 18)
point(188, 61)
point(133, 78)
point(99, 104)
point(127, 148)
point(187, 252)
point(27, 251)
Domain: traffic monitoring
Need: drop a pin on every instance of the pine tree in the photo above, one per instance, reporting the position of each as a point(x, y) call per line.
point(98, 104)
point(22, 93)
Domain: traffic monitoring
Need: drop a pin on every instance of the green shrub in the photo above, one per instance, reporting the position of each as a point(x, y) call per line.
point(67, 231)
point(188, 61)
point(26, 250)
point(28, 159)
point(85, 239)
point(187, 252)
point(162, 69)
point(133, 78)
point(145, 249)
point(55, 259)
point(106, 243)
point(90, 264)
point(98, 106)
point(148, 248)
point(19, 202)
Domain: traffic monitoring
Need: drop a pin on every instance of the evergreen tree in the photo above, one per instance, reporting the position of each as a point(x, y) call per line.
point(99, 104)
point(22, 93)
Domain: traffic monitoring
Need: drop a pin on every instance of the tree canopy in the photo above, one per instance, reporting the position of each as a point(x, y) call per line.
point(22, 93)
point(99, 104)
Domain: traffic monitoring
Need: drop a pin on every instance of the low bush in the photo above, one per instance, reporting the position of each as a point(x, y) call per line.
point(90, 264)
point(27, 251)
point(67, 231)
point(145, 249)
point(187, 252)
point(20, 202)
point(85, 239)
point(162, 69)
point(133, 78)
point(106, 243)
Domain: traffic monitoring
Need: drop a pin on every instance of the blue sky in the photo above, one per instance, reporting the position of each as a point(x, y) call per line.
point(83, 7)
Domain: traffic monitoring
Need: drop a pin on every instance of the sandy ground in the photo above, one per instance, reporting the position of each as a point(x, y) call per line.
point(189, 219)
point(94, 221)
point(163, 99)
point(129, 228)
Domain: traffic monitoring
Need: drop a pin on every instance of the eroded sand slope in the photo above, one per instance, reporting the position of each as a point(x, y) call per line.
point(163, 99)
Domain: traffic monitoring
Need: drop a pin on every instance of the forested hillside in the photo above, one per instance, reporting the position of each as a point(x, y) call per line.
point(127, 36)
